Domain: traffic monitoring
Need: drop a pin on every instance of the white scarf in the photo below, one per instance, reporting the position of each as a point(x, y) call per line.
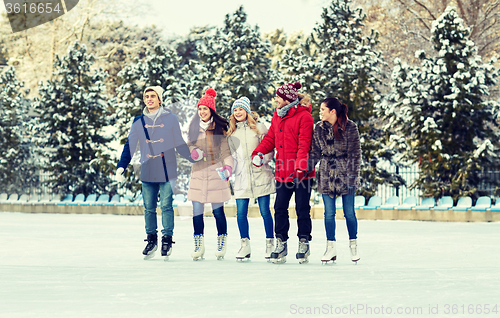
point(204, 125)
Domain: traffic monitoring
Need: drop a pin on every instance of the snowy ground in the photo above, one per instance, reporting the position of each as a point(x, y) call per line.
point(91, 266)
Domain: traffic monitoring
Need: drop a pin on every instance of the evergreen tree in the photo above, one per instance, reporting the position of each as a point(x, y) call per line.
point(237, 59)
point(348, 67)
point(443, 111)
point(16, 163)
point(73, 112)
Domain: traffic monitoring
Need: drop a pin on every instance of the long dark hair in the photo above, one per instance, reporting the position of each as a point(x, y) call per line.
point(341, 110)
point(221, 126)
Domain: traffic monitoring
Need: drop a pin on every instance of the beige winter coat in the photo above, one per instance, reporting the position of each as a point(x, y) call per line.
point(205, 185)
point(250, 181)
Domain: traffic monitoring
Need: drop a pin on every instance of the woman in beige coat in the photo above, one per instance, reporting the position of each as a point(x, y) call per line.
point(250, 181)
point(210, 172)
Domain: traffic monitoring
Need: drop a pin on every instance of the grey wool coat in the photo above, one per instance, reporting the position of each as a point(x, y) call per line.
point(250, 181)
point(339, 160)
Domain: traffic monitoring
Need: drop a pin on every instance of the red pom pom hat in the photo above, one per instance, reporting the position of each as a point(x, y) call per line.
point(288, 91)
point(208, 99)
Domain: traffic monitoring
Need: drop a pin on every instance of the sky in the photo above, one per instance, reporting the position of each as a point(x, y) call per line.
point(179, 16)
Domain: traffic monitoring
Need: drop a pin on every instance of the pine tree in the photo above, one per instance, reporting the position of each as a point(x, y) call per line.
point(349, 68)
point(443, 111)
point(73, 112)
point(237, 58)
point(16, 163)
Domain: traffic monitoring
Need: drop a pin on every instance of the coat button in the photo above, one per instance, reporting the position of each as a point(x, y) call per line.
point(281, 130)
point(281, 146)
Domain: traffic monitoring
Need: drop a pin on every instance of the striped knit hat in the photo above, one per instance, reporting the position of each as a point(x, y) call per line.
point(242, 102)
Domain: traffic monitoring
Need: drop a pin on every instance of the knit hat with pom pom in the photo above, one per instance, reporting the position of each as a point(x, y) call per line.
point(208, 99)
point(288, 91)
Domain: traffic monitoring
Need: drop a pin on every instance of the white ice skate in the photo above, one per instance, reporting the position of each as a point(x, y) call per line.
point(199, 248)
point(330, 253)
point(304, 251)
point(221, 246)
point(353, 246)
point(280, 252)
point(245, 251)
point(269, 248)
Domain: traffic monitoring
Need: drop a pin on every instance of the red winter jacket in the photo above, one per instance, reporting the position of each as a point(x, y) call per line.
point(291, 136)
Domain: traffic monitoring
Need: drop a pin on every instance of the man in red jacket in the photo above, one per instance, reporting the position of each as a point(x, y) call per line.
point(291, 134)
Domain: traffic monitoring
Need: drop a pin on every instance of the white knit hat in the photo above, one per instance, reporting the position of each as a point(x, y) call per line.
point(157, 89)
point(242, 102)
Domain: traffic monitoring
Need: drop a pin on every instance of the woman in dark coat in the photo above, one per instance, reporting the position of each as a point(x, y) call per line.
point(336, 146)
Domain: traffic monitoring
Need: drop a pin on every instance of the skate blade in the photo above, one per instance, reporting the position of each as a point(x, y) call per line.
point(165, 258)
point(149, 256)
point(243, 259)
point(281, 260)
point(329, 262)
point(355, 261)
point(303, 261)
point(220, 258)
point(198, 259)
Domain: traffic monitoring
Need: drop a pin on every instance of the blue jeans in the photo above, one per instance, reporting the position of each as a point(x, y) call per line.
point(265, 211)
point(220, 218)
point(349, 214)
point(150, 197)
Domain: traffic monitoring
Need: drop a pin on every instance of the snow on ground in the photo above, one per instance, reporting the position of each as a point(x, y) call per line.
point(62, 265)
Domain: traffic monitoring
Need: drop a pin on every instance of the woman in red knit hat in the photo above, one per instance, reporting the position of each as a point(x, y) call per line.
point(209, 174)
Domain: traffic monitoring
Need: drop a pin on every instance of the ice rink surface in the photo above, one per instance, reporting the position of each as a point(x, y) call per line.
point(74, 265)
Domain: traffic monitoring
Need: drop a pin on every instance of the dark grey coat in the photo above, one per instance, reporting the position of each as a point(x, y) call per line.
point(339, 159)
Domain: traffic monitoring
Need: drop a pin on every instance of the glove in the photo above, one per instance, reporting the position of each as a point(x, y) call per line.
point(258, 160)
point(225, 172)
point(119, 175)
point(298, 175)
point(197, 154)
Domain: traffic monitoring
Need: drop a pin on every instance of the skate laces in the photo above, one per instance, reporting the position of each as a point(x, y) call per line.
point(221, 241)
point(303, 246)
point(279, 246)
point(197, 243)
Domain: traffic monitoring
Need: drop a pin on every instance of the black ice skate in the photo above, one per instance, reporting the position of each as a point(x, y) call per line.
point(304, 251)
point(150, 249)
point(280, 252)
point(166, 246)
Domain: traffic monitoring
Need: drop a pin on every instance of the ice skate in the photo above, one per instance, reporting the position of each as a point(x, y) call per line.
point(221, 246)
point(353, 246)
point(199, 248)
point(269, 248)
point(150, 249)
point(244, 252)
point(330, 253)
point(280, 252)
point(304, 251)
point(166, 246)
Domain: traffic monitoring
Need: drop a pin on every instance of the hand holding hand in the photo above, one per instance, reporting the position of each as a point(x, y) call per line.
point(258, 160)
point(298, 175)
point(197, 154)
point(119, 175)
point(225, 172)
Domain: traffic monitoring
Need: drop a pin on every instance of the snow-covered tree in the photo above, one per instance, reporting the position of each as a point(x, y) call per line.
point(73, 111)
point(16, 164)
point(348, 67)
point(236, 57)
point(443, 110)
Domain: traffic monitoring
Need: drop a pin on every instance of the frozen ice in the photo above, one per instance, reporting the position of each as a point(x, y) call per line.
point(90, 265)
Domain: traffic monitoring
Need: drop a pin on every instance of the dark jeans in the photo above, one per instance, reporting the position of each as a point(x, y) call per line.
point(220, 218)
point(284, 192)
